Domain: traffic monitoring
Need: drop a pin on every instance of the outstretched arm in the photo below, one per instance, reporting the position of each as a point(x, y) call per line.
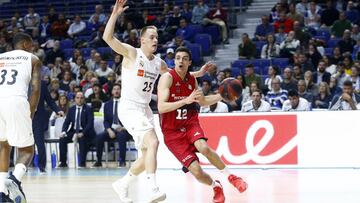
point(35, 84)
point(208, 100)
point(196, 74)
point(164, 106)
point(121, 48)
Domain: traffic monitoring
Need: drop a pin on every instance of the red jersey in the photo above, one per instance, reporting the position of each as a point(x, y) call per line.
point(185, 115)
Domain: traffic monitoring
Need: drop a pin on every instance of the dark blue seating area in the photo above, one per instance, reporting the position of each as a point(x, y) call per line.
point(261, 66)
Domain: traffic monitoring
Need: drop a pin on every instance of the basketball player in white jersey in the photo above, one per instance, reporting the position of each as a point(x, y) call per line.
point(140, 68)
point(19, 69)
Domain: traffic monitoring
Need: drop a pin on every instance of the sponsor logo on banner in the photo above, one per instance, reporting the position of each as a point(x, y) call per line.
point(250, 140)
point(140, 73)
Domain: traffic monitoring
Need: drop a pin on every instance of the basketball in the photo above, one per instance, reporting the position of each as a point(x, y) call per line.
point(230, 89)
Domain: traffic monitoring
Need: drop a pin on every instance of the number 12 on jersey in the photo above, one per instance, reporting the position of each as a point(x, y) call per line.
point(181, 114)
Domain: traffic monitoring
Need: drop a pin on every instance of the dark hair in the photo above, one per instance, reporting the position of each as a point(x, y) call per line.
point(183, 49)
point(116, 84)
point(347, 83)
point(249, 65)
point(276, 69)
point(20, 37)
point(293, 93)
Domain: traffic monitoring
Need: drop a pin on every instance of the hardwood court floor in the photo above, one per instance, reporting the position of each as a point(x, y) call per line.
point(265, 186)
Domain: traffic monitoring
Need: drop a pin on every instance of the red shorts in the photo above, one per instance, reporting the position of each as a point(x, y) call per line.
point(181, 142)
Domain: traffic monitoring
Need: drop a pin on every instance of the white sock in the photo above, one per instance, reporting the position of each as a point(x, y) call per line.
point(128, 178)
point(226, 172)
point(19, 171)
point(150, 177)
point(3, 176)
point(215, 184)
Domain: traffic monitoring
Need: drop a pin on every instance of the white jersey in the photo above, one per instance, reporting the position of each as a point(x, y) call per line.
point(303, 105)
point(138, 82)
point(249, 107)
point(15, 73)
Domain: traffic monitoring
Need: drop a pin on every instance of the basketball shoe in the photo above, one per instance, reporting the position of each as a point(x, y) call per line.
point(5, 198)
point(238, 183)
point(219, 196)
point(157, 196)
point(15, 190)
point(122, 190)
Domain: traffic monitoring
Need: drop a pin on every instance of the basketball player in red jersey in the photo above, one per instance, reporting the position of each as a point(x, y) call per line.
point(178, 96)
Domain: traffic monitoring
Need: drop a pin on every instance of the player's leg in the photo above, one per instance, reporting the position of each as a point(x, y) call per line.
point(202, 146)
point(151, 143)
point(205, 178)
point(121, 186)
point(4, 167)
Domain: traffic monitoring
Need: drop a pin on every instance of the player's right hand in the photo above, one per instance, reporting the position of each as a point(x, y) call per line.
point(119, 7)
point(194, 96)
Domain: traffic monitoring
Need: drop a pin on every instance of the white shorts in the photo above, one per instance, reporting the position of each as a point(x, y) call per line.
point(15, 122)
point(138, 119)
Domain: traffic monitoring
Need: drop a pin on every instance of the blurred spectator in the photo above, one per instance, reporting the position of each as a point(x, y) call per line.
point(247, 91)
point(55, 69)
point(104, 70)
point(273, 72)
point(94, 24)
point(133, 40)
point(169, 58)
point(97, 94)
point(277, 96)
point(340, 74)
point(173, 21)
point(352, 13)
point(86, 82)
point(77, 27)
point(323, 99)
point(289, 46)
point(76, 53)
point(211, 77)
point(117, 64)
point(305, 63)
point(302, 91)
point(298, 73)
point(3, 44)
point(32, 22)
point(331, 68)
point(247, 49)
point(129, 27)
point(219, 107)
point(99, 11)
point(53, 53)
point(288, 82)
point(270, 49)
point(348, 100)
point(59, 28)
point(97, 63)
point(45, 73)
point(44, 29)
point(283, 21)
point(314, 55)
point(75, 67)
point(263, 29)
point(206, 87)
point(281, 35)
point(302, 7)
point(184, 30)
point(178, 41)
point(346, 44)
point(329, 15)
point(81, 75)
point(114, 131)
point(251, 76)
point(355, 32)
point(53, 15)
point(295, 103)
point(312, 17)
point(311, 87)
point(355, 79)
point(218, 16)
point(256, 104)
point(321, 75)
point(294, 15)
point(14, 24)
point(199, 12)
point(65, 81)
point(347, 64)
point(334, 88)
point(90, 63)
point(301, 34)
point(186, 11)
point(79, 126)
point(37, 51)
point(336, 56)
point(339, 26)
point(111, 80)
point(275, 13)
point(147, 19)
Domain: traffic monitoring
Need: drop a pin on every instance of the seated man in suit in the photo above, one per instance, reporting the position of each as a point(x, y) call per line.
point(78, 125)
point(113, 128)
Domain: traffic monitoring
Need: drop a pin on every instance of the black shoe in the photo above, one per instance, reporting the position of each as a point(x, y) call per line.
point(97, 164)
point(42, 170)
point(15, 190)
point(5, 198)
point(11, 164)
point(62, 165)
point(122, 164)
